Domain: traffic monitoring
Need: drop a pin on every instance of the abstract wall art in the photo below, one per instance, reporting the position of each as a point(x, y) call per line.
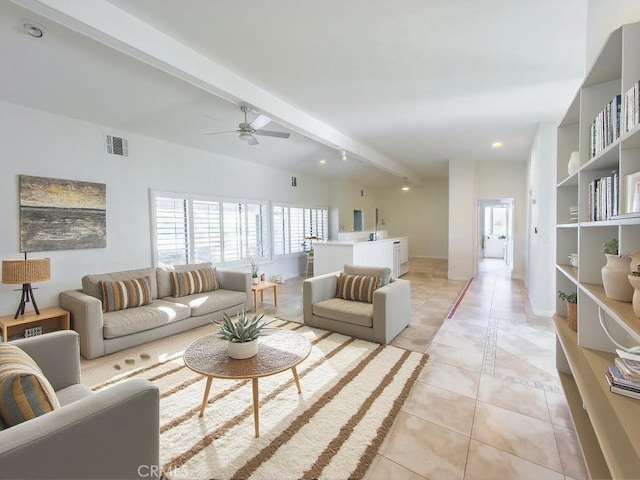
point(58, 214)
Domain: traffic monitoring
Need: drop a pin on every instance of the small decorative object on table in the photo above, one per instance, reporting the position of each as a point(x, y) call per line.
point(572, 308)
point(253, 265)
point(243, 334)
point(615, 273)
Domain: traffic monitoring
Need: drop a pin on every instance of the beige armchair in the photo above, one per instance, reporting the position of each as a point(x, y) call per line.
point(111, 434)
point(379, 321)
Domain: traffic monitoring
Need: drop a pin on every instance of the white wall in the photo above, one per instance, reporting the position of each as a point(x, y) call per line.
point(345, 197)
point(42, 144)
point(541, 181)
point(421, 213)
point(462, 220)
point(500, 179)
point(604, 16)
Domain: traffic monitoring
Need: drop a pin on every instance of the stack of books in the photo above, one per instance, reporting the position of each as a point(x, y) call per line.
point(624, 377)
point(573, 214)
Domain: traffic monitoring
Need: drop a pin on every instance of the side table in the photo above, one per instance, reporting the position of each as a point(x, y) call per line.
point(50, 319)
point(261, 287)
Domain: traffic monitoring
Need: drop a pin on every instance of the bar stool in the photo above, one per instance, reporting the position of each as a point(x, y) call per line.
point(309, 262)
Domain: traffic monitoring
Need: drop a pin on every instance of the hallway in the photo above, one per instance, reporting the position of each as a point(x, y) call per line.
point(489, 403)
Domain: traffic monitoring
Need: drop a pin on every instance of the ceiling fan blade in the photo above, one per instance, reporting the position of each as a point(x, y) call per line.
point(270, 133)
point(218, 133)
point(260, 121)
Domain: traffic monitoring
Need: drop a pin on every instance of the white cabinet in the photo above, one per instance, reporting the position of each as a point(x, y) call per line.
point(404, 256)
point(606, 424)
point(332, 256)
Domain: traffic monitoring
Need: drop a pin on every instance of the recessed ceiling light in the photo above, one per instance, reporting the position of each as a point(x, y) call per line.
point(405, 187)
point(344, 156)
point(497, 144)
point(33, 29)
point(323, 161)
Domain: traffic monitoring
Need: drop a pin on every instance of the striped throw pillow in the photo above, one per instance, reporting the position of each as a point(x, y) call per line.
point(356, 287)
point(25, 393)
point(125, 294)
point(194, 281)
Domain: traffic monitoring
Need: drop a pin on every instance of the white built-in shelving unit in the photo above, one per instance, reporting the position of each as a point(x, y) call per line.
point(607, 424)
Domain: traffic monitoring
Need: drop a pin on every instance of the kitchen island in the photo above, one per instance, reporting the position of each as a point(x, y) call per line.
point(389, 252)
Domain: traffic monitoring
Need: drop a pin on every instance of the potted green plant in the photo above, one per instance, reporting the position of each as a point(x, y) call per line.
point(572, 308)
point(615, 273)
point(242, 335)
point(254, 266)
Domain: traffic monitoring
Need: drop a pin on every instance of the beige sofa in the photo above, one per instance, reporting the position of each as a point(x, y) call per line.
point(379, 321)
point(110, 434)
point(104, 333)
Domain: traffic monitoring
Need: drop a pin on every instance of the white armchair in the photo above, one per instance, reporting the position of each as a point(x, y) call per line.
point(379, 321)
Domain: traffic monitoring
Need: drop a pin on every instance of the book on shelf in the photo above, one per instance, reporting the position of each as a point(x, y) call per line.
point(621, 380)
point(604, 197)
point(605, 128)
point(631, 114)
point(621, 389)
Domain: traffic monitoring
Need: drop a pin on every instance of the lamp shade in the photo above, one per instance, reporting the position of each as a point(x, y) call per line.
point(26, 270)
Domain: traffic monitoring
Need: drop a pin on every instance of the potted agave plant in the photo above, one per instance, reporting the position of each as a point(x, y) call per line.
point(242, 334)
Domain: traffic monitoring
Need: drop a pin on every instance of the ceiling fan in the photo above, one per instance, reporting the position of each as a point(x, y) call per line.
point(247, 131)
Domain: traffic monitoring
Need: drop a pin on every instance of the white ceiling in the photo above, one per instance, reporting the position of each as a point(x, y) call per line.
point(404, 85)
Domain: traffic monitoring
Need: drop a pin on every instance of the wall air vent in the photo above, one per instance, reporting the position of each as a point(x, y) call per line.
point(116, 145)
point(294, 181)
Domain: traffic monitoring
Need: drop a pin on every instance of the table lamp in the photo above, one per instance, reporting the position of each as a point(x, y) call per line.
point(26, 271)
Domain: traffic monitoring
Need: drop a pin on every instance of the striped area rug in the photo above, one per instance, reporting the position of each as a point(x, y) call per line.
point(351, 392)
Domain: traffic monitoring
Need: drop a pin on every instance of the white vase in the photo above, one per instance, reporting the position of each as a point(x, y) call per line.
point(240, 351)
point(635, 283)
point(574, 163)
point(615, 278)
point(255, 280)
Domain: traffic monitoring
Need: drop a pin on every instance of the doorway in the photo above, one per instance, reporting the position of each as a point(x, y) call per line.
point(495, 235)
point(357, 221)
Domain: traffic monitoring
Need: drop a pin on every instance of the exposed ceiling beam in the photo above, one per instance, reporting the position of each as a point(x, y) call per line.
point(104, 22)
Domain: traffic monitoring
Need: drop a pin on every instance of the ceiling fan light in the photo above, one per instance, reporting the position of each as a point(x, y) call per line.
point(246, 136)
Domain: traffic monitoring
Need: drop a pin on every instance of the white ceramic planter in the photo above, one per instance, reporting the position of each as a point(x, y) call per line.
point(240, 351)
point(255, 280)
point(635, 283)
point(615, 278)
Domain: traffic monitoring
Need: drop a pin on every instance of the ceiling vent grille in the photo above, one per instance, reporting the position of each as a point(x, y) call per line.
point(294, 181)
point(116, 145)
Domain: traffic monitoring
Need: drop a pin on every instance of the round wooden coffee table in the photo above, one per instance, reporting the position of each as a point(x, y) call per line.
point(278, 350)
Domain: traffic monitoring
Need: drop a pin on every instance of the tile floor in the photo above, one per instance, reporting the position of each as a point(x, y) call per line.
point(488, 404)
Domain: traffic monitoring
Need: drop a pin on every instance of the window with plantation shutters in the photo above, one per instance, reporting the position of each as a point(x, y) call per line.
point(171, 227)
point(191, 229)
point(294, 228)
point(207, 232)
